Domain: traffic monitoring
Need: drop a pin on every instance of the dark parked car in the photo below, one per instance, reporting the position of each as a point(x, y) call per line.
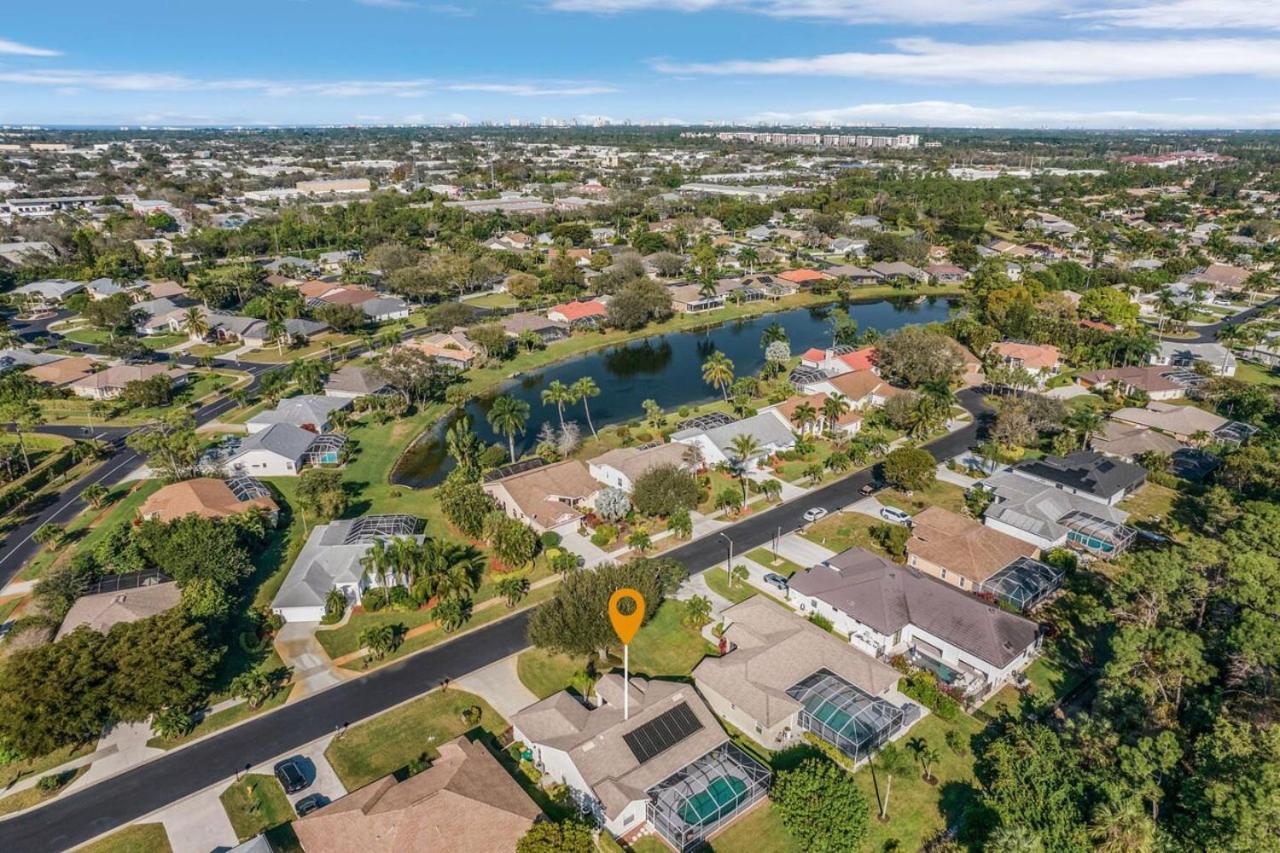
point(308, 804)
point(869, 489)
point(290, 776)
point(776, 580)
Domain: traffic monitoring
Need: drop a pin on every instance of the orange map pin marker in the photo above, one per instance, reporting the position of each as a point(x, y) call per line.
point(625, 625)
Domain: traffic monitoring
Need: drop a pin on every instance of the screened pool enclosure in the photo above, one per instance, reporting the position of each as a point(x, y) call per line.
point(844, 716)
point(694, 802)
point(1023, 583)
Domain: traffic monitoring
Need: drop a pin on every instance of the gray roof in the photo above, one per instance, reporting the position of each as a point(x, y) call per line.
point(380, 306)
point(56, 288)
point(305, 409)
point(285, 440)
point(106, 287)
point(153, 308)
point(775, 649)
point(767, 428)
point(331, 556)
point(1035, 507)
point(356, 380)
point(18, 357)
point(888, 597)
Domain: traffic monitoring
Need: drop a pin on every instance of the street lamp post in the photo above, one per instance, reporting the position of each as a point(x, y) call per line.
point(728, 562)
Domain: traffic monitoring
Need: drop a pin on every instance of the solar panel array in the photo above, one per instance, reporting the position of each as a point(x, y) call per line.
point(662, 732)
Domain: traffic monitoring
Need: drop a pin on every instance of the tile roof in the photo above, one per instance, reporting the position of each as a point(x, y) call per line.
point(579, 310)
point(536, 491)
point(207, 497)
point(100, 612)
point(888, 597)
point(1033, 356)
point(775, 650)
point(464, 801)
point(857, 385)
point(636, 462)
point(962, 545)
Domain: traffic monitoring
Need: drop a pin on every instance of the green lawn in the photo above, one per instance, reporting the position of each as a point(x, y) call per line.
point(758, 831)
point(1257, 374)
point(843, 530)
point(33, 796)
point(90, 527)
point(37, 766)
point(317, 345)
point(779, 564)
point(222, 719)
point(1151, 502)
point(943, 494)
point(139, 838)
point(255, 804)
point(546, 673)
point(718, 580)
point(667, 647)
point(88, 335)
point(389, 742)
point(159, 342)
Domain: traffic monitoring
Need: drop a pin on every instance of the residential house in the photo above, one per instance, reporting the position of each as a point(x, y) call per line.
point(890, 271)
point(847, 424)
point(840, 360)
point(465, 801)
point(862, 388)
point(1157, 382)
point(47, 293)
point(779, 677)
point(1087, 474)
point(1215, 356)
point(104, 288)
point(1128, 442)
point(333, 557)
point(63, 371)
point(548, 330)
point(853, 274)
point(622, 466)
point(350, 382)
point(282, 450)
point(547, 497)
point(12, 358)
point(690, 299)
point(804, 277)
point(667, 764)
point(947, 273)
point(130, 599)
point(961, 551)
point(453, 348)
point(384, 309)
point(109, 383)
point(715, 445)
point(887, 610)
point(1220, 277)
point(209, 497)
point(590, 312)
point(332, 262)
point(311, 412)
point(1042, 361)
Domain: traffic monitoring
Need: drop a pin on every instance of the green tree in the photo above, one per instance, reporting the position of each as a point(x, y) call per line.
point(95, 494)
point(909, 469)
point(663, 490)
point(321, 494)
point(584, 389)
point(513, 588)
point(742, 448)
point(452, 613)
point(717, 371)
point(509, 416)
point(380, 640)
point(561, 837)
point(559, 395)
point(888, 761)
point(821, 806)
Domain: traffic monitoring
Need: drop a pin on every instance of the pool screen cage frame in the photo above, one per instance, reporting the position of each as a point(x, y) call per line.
point(667, 797)
point(882, 718)
point(1024, 583)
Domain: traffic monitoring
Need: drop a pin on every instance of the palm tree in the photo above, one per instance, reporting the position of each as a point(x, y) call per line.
point(834, 408)
point(377, 562)
point(1013, 839)
point(195, 324)
point(717, 371)
point(741, 449)
point(804, 416)
point(891, 759)
point(25, 416)
point(513, 588)
point(750, 257)
point(1085, 421)
point(276, 308)
point(509, 416)
point(707, 290)
point(927, 754)
point(773, 333)
point(95, 494)
point(583, 389)
point(464, 447)
point(1122, 828)
point(452, 613)
point(445, 570)
point(560, 395)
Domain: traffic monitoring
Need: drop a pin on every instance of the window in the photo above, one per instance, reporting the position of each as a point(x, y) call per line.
point(944, 574)
point(628, 820)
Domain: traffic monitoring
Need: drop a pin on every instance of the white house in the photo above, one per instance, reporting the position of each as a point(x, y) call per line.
point(622, 466)
point(715, 445)
point(887, 609)
point(280, 450)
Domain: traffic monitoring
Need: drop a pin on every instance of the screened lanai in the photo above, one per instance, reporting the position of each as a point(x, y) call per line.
point(1023, 583)
point(694, 802)
point(844, 716)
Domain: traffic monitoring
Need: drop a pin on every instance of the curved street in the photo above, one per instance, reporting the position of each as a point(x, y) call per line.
point(85, 814)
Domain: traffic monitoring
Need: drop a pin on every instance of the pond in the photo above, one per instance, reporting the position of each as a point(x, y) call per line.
point(665, 368)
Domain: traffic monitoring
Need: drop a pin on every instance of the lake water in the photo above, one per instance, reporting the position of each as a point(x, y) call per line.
point(665, 368)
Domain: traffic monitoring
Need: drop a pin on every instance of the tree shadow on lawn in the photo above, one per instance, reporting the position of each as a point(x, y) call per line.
point(966, 816)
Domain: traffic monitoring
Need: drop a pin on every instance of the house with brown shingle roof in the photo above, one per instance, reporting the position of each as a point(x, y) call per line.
point(108, 384)
point(862, 388)
point(464, 801)
point(959, 550)
point(547, 497)
point(105, 609)
point(62, 372)
point(208, 497)
point(622, 466)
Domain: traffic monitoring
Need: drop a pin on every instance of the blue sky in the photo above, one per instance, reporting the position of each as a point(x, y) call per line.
point(1016, 63)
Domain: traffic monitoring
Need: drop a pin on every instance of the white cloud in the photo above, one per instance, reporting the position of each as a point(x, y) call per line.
point(1188, 15)
point(529, 90)
point(1066, 62)
point(919, 12)
point(13, 48)
point(953, 114)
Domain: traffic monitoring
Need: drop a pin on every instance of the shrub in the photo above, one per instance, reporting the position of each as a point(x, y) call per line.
point(821, 806)
point(665, 489)
point(892, 538)
point(400, 598)
point(612, 504)
point(921, 686)
point(822, 622)
point(604, 535)
point(909, 469)
point(550, 539)
point(374, 600)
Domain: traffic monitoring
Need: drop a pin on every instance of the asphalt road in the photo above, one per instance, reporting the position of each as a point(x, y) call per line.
point(1209, 333)
point(82, 815)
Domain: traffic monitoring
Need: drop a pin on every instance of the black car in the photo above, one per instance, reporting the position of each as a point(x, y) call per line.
point(290, 776)
point(308, 804)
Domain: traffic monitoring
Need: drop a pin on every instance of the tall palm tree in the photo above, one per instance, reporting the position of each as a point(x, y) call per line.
point(584, 389)
point(195, 324)
point(750, 257)
point(741, 449)
point(560, 395)
point(1085, 421)
point(804, 416)
point(377, 561)
point(276, 308)
point(1165, 304)
point(717, 371)
point(773, 333)
point(444, 570)
point(509, 416)
point(464, 447)
point(25, 416)
point(834, 408)
point(1121, 828)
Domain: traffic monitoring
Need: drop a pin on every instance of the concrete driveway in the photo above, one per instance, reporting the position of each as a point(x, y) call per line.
point(312, 669)
point(499, 685)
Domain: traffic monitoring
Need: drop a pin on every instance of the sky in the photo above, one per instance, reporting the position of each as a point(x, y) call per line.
point(960, 63)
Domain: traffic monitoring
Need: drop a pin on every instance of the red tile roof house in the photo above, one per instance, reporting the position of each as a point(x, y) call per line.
point(803, 276)
point(1040, 360)
point(840, 362)
point(578, 313)
point(848, 423)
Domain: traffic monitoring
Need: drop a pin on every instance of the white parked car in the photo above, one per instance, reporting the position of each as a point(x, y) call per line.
point(814, 514)
point(897, 516)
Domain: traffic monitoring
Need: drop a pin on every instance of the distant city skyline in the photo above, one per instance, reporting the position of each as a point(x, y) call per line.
point(1159, 64)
